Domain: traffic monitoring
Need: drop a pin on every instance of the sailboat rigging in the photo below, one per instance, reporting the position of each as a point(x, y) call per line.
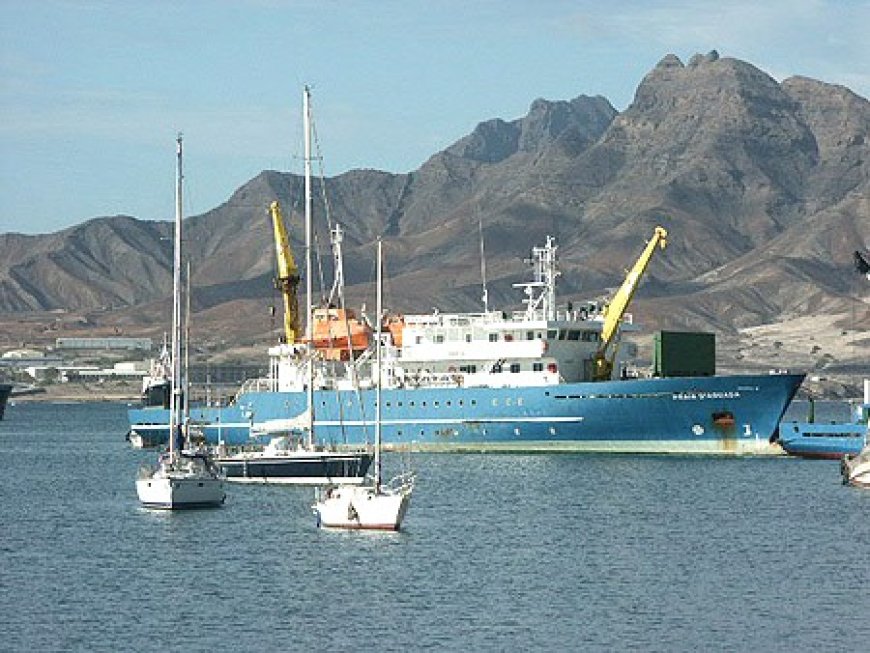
point(292, 454)
point(183, 478)
point(374, 505)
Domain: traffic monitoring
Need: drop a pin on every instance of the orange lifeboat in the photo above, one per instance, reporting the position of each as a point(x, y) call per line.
point(395, 324)
point(338, 334)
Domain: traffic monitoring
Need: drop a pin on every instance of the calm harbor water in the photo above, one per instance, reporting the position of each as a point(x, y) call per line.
point(500, 552)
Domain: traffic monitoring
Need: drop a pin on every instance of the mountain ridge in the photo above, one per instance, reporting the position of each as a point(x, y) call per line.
point(764, 187)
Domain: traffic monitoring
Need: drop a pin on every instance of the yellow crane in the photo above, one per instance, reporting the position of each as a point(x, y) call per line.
point(616, 307)
point(288, 275)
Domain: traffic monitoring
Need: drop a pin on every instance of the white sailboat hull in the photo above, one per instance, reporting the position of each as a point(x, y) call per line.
point(178, 492)
point(362, 508)
point(181, 481)
point(138, 441)
point(856, 470)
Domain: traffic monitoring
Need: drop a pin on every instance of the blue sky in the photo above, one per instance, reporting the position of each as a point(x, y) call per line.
point(93, 92)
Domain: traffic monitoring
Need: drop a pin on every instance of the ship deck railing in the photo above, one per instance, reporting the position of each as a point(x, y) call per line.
point(582, 314)
point(262, 384)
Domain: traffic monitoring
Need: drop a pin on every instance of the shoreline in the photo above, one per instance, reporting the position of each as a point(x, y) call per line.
point(78, 394)
point(70, 399)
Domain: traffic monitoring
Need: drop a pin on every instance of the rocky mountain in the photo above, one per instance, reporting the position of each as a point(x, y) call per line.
point(764, 187)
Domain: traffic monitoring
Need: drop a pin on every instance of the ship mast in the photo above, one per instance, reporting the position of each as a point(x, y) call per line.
point(483, 266)
point(186, 395)
point(174, 412)
point(379, 318)
point(306, 121)
point(542, 305)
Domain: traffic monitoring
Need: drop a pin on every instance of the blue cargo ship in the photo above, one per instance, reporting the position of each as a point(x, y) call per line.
point(541, 379)
point(706, 415)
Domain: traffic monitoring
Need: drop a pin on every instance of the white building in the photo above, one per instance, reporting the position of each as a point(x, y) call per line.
point(104, 343)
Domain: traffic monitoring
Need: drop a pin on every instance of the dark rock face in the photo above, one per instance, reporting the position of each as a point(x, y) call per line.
point(762, 185)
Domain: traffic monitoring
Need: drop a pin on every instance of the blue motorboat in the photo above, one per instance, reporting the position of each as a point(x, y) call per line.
point(814, 439)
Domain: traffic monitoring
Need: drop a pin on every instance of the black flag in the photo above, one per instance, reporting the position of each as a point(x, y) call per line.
point(861, 263)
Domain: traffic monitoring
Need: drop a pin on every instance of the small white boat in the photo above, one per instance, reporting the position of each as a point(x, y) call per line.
point(365, 507)
point(856, 469)
point(182, 478)
point(373, 506)
point(139, 441)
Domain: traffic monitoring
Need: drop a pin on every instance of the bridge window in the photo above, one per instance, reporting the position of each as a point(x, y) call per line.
point(493, 337)
point(530, 335)
point(573, 335)
point(515, 367)
point(537, 367)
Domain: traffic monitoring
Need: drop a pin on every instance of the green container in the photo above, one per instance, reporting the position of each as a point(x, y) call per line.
point(684, 353)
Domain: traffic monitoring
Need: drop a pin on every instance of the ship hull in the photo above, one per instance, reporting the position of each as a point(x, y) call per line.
point(180, 493)
point(817, 440)
point(5, 391)
point(659, 415)
point(296, 468)
point(362, 508)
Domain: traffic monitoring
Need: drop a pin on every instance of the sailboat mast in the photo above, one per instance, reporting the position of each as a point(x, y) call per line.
point(379, 318)
point(174, 417)
point(306, 121)
point(306, 118)
point(186, 395)
point(483, 265)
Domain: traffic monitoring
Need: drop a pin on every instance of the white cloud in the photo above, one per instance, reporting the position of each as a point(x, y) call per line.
point(826, 39)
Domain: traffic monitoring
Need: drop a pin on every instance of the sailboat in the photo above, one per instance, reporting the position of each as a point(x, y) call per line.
point(855, 469)
point(290, 454)
point(183, 477)
point(374, 505)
